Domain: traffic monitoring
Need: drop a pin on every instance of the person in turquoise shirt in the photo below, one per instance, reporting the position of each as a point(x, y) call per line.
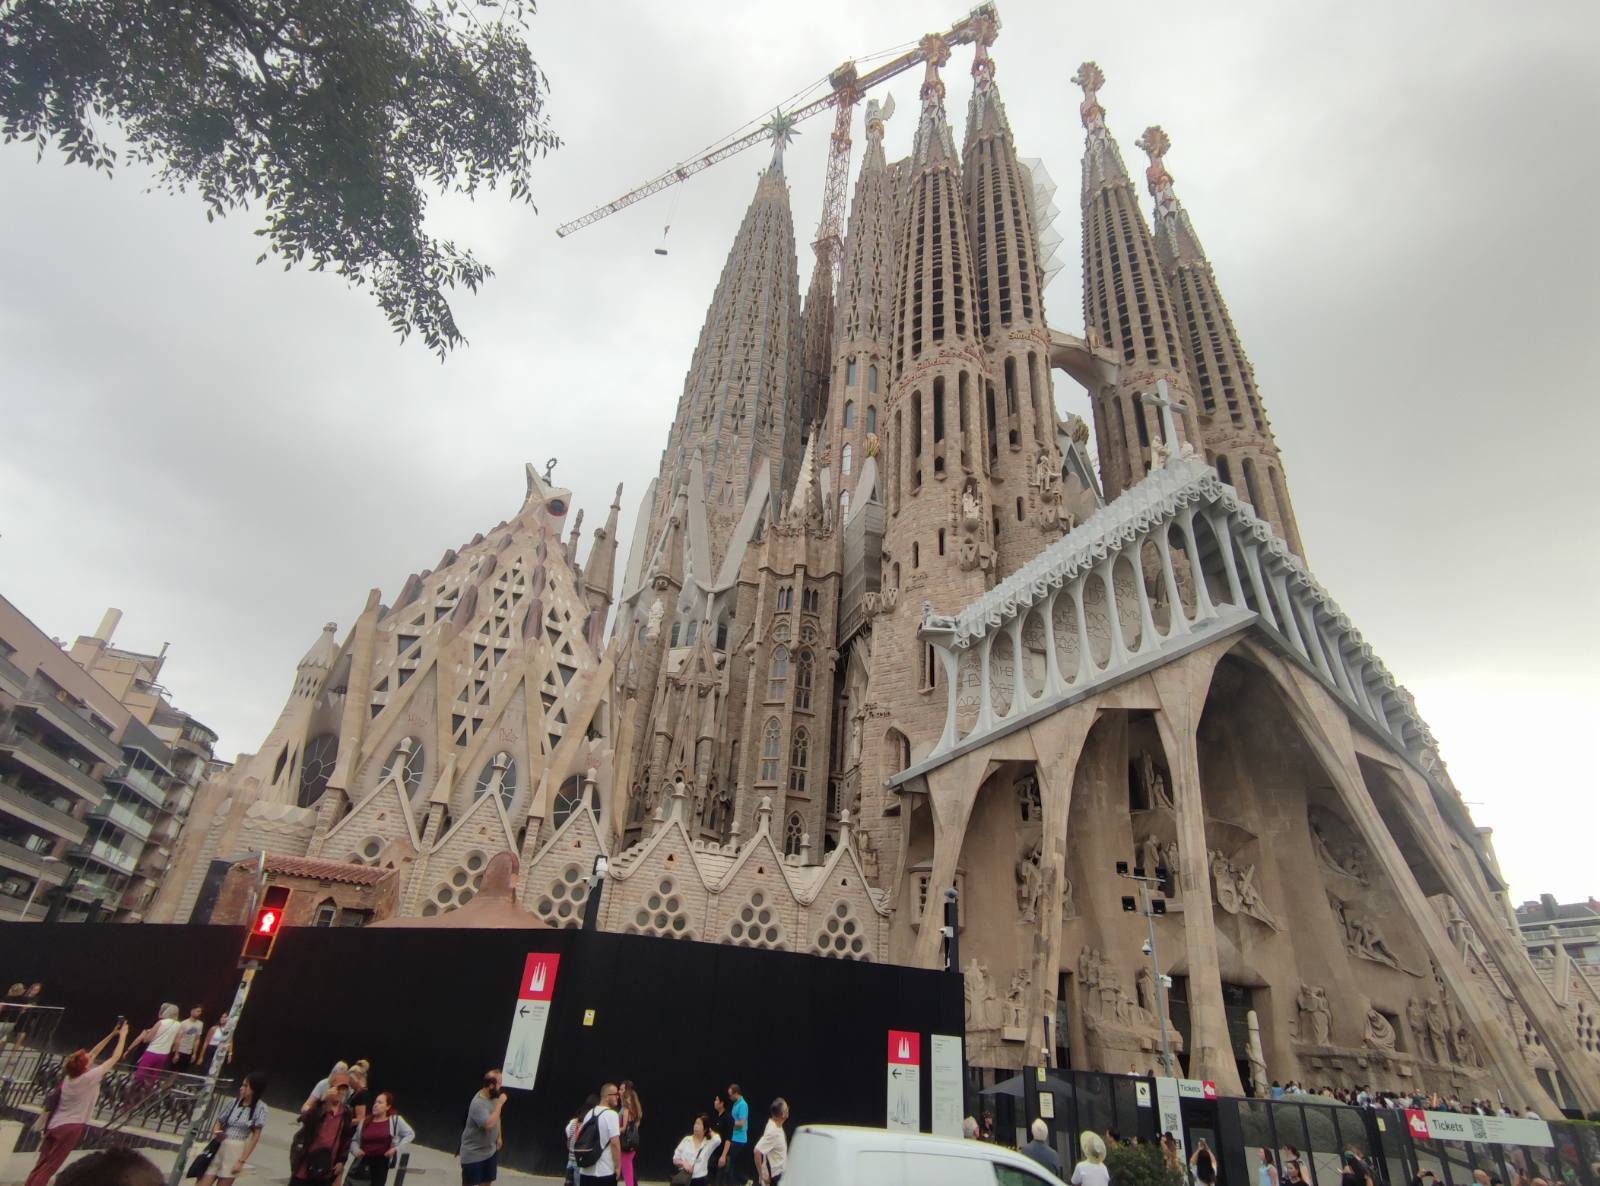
point(739, 1163)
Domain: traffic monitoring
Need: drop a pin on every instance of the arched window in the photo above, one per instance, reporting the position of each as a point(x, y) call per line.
point(793, 835)
point(778, 674)
point(770, 742)
point(568, 799)
point(785, 596)
point(899, 748)
point(846, 457)
point(799, 759)
point(872, 383)
point(405, 765)
point(849, 413)
point(850, 372)
point(872, 412)
point(844, 504)
point(316, 767)
point(499, 774)
point(802, 679)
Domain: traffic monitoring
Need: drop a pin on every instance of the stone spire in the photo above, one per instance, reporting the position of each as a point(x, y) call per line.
point(860, 368)
point(315, 664)
point(1233, 423)
point(1019, 403)
point(740, 402)
point(599, 573)
point(1126, 307)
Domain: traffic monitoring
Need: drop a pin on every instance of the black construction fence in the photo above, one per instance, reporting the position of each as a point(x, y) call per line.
point(1320, 1129)
point(432, 1008)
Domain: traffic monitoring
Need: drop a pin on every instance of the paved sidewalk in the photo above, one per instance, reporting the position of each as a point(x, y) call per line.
point(269, 1164)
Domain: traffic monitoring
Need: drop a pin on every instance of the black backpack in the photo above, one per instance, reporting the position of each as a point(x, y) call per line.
point(586, 1147)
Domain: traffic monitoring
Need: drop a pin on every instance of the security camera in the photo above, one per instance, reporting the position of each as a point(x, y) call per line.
point(947, 933)
point(1145, 947)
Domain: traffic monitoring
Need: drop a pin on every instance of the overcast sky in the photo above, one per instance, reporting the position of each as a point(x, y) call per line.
point(1396, 198)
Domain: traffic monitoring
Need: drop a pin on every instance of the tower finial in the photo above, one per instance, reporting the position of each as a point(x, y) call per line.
point(936, 53)
point(1091, 78)
point(781, 129)
point(982, 64)
point(878, 114)
point(1155, 143)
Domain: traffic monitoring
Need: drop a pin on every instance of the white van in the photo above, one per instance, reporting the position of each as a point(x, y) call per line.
point(833, 1155)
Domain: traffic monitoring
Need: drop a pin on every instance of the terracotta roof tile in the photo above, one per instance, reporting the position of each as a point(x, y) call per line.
point(317, 870)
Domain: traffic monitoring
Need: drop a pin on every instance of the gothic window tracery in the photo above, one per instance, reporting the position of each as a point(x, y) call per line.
point(785, 597)
point(803, 667)
point(849, 413)
point(405, 765)
point(499, 774)
point(799, 760)
point(771, 741)
point(846, 459)
point(793, 835)
point(316, 767)
point(778, 674)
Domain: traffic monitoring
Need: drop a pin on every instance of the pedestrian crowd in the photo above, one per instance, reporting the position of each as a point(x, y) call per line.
point(1371, 1097)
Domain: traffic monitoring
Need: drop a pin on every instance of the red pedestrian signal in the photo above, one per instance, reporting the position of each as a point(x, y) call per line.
point(269, 918)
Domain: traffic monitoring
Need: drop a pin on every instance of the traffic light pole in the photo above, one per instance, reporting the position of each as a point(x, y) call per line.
point(201, 1108)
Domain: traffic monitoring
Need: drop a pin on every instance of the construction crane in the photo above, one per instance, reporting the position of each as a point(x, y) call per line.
point(846, 88)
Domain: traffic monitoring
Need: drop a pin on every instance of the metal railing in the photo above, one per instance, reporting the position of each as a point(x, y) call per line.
point(124, 817)
point(155, 1109)
point(139, 781)
point(15, 856)
point(108, 854)
point(74, 724)
point(41, 814)
point(52, 765)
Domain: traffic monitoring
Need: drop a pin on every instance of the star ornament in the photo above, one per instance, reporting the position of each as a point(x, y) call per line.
point(781, 128)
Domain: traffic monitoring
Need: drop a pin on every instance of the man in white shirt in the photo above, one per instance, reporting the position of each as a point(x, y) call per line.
point(608, 1138)
point(772, 1150)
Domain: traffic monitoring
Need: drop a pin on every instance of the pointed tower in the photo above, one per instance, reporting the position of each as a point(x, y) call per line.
point(599, 574)
point(860, 370)
point(740, 407)
point(937, 448)
point(1019, 405)
point(1233, 423)
point(1126, 307)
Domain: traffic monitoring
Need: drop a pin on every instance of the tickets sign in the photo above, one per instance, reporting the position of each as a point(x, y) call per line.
point(1486, 1130)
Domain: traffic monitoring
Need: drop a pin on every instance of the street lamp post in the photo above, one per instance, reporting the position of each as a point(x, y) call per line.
point(1150, 908)
point(37, 881)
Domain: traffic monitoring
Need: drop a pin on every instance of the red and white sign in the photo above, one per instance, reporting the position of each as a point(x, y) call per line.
point(1486, 1130)
point(905, 1081)
point(1197, 1089)
point(1208, 1089)
point(529, 1019)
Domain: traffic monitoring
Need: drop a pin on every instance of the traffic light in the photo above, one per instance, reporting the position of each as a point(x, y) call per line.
point(266, 924)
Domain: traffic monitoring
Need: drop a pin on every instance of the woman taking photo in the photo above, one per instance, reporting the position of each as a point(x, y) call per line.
point(239, 1129)
point(158, 1040)
point(382, 1138)
point(696, 1153)
point(80, 1087)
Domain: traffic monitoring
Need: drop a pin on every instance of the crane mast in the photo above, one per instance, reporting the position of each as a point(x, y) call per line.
point(846, 88)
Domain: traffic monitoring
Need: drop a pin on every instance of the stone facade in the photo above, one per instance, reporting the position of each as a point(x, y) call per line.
point(898, 643)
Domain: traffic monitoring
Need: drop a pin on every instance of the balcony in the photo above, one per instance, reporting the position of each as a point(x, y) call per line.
point(12, 678)
point(68, 722)
point(106, 854)
point(25, 860)
point(124, 817)
point(36, 757)
point(16, 801)
point(140, 782)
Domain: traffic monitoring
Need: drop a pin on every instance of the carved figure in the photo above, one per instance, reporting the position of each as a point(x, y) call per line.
point(971, 511)
point(1466, 1050)
point(1417, 1023)
point(1068, 910)
point(1380, 1033)
point(1346, 858)
point(1362, 938)
point(652, 626)
point(982, 1002)
point(1438, 1030)
point(1014, 999)
point(1315, 1017)
point(1155, 786)
point(1173, 867)
point(1029, 881)
point(1236, 889)
point(1149, 855)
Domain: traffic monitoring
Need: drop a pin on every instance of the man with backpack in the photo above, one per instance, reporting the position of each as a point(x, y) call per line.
point(597, 1147)
point(480, 1138)
point(319, 1150)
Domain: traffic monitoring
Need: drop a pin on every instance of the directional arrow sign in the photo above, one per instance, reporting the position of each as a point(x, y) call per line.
point(529, 1017)
point(905, 1081)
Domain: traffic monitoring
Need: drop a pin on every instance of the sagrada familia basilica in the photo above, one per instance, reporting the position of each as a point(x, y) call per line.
point(886, 629)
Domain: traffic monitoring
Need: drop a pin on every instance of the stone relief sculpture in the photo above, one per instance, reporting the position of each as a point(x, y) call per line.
point(1236, 889)
point(1068, 910)
point(1149, 856)
point(1116, 1020)
point(1171, 855)
point(1315, 1016)
point(982, 1002)
point(1336, 849)
point(1029, 881)
point(1155, 786)
point(1362, 937)
point(1015, 1019)
point(652, 626)
point(1380, 1033)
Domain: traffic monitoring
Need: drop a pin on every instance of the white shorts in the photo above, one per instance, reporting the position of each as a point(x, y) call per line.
point(227, 1157)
